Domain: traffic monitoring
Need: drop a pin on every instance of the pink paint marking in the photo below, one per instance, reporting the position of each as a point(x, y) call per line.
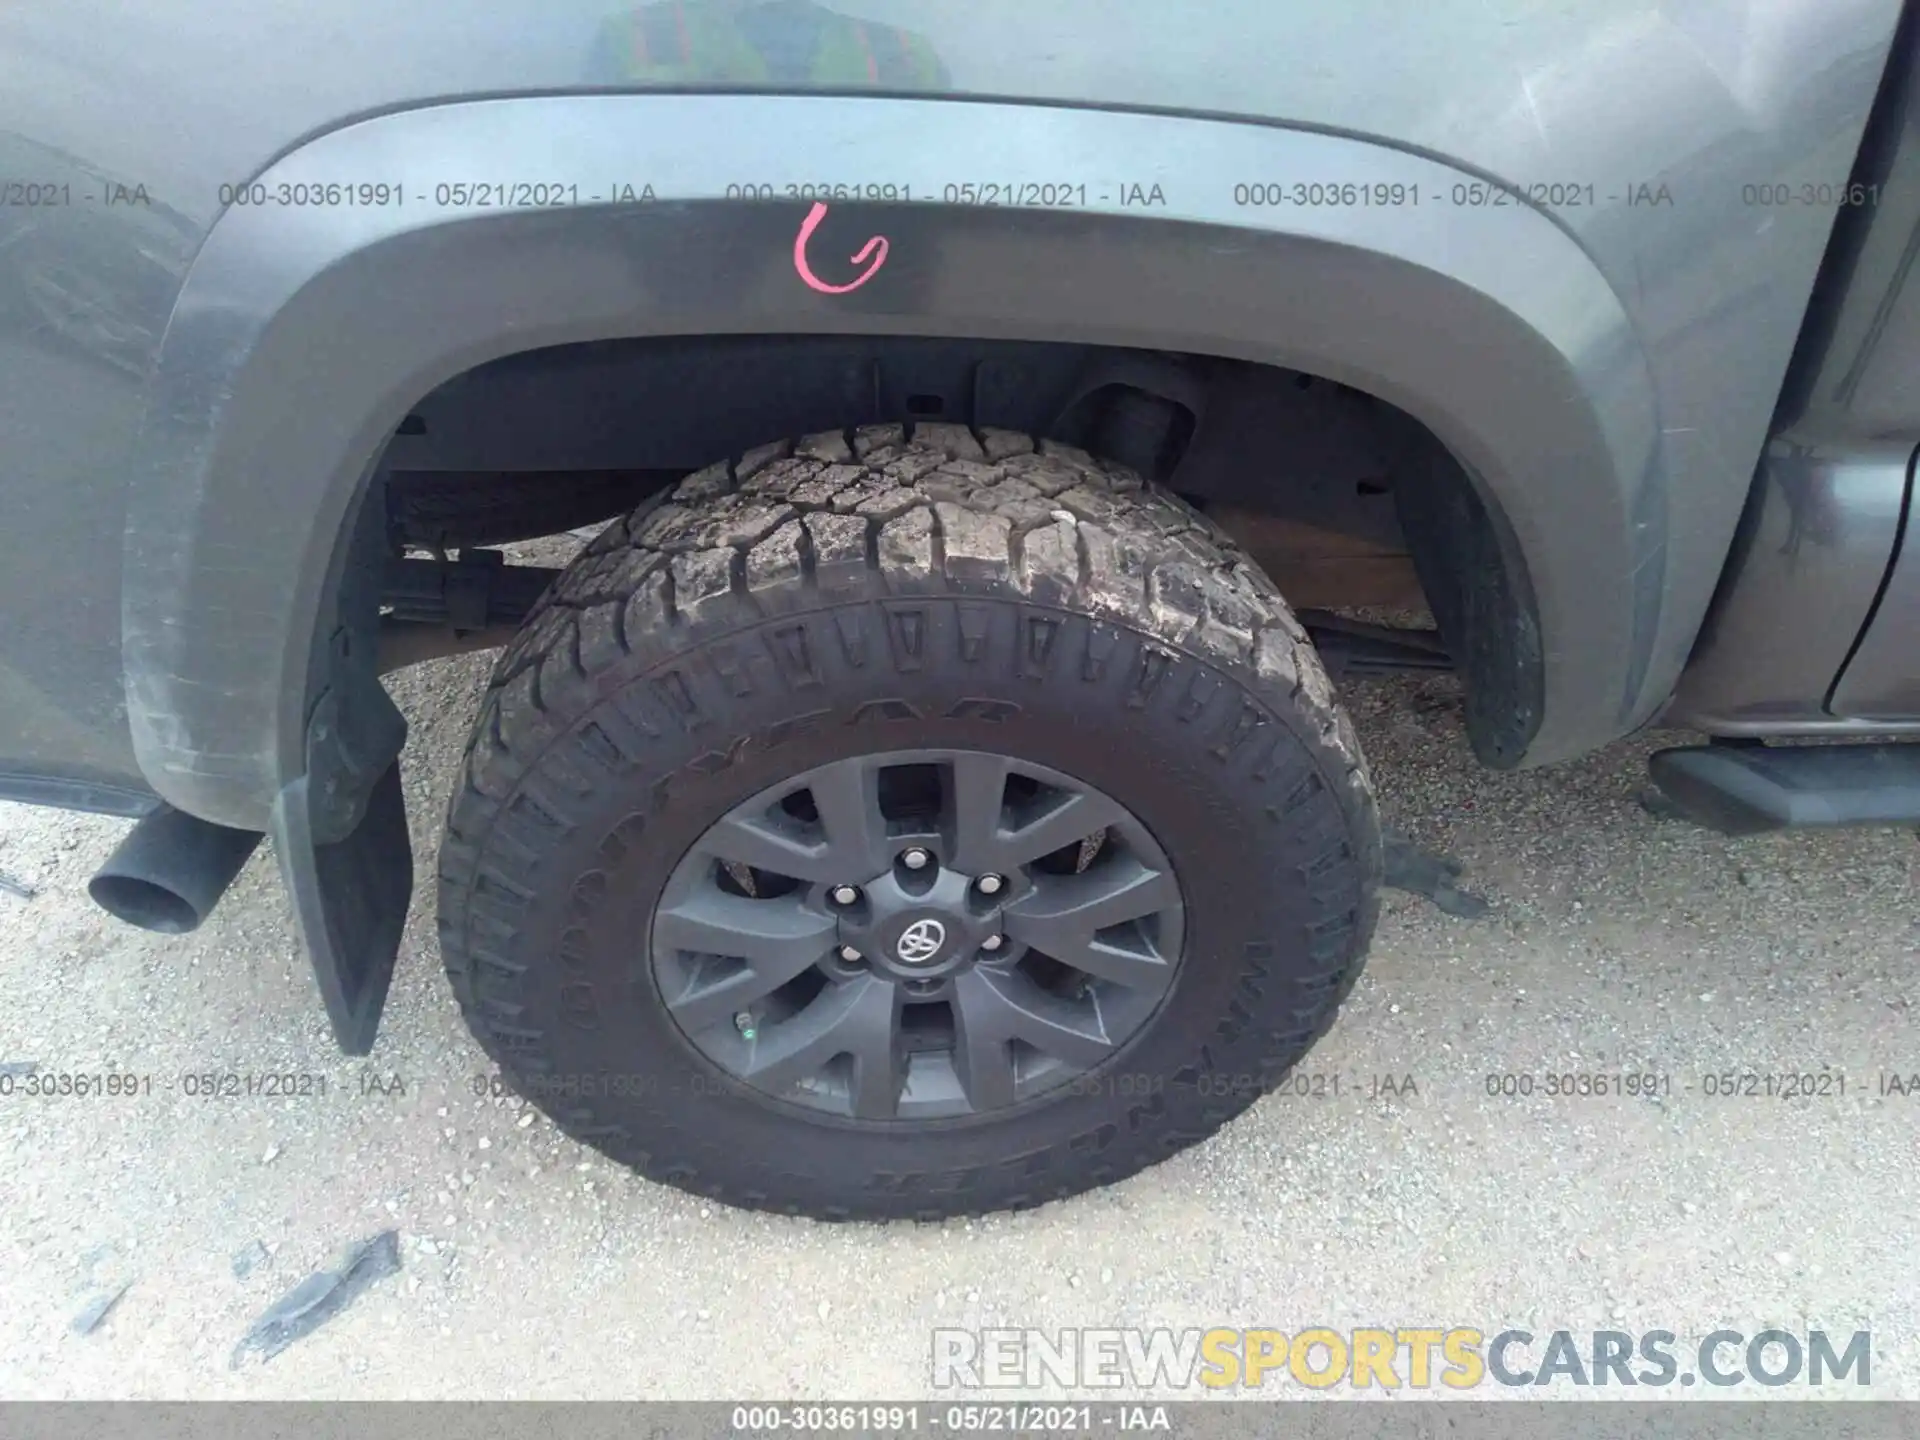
point(876, 247)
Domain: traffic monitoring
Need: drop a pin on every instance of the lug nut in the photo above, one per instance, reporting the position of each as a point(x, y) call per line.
point(849, 954)
point(993, 942)
point(845, 894)
point(991, 884)
point(916, 858)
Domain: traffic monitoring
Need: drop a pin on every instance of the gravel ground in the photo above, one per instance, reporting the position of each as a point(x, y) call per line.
point(531, 1268)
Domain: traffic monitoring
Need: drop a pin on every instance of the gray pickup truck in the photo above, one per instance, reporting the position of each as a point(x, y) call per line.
point(1000, 426)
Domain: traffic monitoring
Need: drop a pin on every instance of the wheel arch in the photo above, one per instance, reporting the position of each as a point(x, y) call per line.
point(303, 336)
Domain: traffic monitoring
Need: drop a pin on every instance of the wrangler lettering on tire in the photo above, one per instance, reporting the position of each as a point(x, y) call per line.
point(910, 825)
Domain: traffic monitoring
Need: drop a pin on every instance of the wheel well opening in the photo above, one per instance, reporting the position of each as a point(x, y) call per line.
point(549, 440)
point(1353, 506)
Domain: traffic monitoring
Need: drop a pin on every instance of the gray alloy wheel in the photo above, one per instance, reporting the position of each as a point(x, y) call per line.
point(917, 935)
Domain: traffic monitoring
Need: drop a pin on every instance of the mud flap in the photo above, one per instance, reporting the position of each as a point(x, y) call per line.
point(350, 900)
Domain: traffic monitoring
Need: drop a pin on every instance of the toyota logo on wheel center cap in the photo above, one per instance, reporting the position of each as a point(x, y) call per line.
point(920, 942)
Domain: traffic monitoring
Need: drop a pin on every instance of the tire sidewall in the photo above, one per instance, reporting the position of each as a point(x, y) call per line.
point(1275, 852)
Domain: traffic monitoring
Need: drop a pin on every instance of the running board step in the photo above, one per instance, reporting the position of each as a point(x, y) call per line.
point(1746, 789)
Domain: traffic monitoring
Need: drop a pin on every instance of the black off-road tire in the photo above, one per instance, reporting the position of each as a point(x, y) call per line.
point(846, 594)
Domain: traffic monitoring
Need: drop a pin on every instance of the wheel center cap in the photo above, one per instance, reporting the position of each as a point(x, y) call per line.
point(921, 942)
point(918, 932)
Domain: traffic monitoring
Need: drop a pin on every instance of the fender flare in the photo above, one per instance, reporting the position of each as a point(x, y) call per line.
point(303, 333)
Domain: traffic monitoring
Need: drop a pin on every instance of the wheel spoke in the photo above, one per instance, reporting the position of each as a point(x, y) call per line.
point(1136, 969)
point(703, 1003)
point(763, 844)
point(982, 838)
point(878, 1071)
point(977, 805)
point(847, 796)
point(1062, 915)
point(859, 1019)
point(1072, 818)
point(992, 1007)
point(981, 1057)
point(778, 934)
